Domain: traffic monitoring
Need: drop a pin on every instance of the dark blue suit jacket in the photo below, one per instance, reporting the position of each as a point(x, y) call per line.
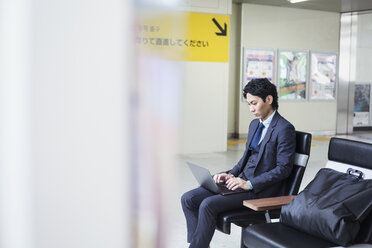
point(275, 157)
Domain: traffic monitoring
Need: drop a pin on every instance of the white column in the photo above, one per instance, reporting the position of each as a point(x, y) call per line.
point(65, 70)
point(15, 129)
point(82, 65)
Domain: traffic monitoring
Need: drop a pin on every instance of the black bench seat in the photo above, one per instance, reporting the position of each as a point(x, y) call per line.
point(278, 235)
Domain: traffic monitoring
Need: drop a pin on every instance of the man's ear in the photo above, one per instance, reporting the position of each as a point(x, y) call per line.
point(269, 99)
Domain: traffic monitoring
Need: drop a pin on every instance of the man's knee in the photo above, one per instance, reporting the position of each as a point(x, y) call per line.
point(186, 200)
point(208, 206)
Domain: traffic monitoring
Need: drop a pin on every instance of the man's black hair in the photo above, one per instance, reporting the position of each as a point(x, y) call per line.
point(262, 87)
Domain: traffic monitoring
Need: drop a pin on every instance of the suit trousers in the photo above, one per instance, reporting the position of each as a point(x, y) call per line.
point(201, 208)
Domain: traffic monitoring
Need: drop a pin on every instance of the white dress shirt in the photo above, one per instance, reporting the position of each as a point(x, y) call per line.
point(266, 124)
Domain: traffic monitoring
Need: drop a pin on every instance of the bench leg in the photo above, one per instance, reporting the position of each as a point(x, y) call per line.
point(241, 240)
point(267, 216)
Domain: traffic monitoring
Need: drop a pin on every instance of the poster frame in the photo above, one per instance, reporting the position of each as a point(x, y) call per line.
point(245, 62)
point(306, 70)
point(336, 68)
point(355, 113)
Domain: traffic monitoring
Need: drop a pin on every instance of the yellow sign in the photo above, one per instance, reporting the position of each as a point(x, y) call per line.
point(186, 36)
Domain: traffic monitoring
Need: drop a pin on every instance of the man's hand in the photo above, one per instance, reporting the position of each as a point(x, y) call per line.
point(223, 177)
point(236, 182)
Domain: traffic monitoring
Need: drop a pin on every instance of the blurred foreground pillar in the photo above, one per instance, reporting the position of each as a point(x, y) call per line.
point(65, 72)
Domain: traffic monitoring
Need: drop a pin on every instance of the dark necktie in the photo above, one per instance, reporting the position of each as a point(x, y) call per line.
point(257, 136)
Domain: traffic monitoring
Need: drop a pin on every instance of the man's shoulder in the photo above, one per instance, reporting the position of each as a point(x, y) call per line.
point(254, 121)
point(281, 121)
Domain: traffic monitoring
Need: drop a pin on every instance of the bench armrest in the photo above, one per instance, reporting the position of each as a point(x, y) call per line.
point(268, 203)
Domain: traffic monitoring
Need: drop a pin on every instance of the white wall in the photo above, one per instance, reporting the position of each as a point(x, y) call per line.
point(363, 60)
point(204, 113)
point(290, 28)
point(364, 48)
point(206, 6)
point(204, 122)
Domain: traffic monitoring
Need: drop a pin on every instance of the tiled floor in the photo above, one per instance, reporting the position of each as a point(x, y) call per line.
point(223, 161)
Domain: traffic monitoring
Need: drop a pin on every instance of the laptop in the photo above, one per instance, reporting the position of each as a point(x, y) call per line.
point(205, 179)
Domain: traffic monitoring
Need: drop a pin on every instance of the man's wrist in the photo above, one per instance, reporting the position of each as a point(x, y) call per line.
point(250, 185)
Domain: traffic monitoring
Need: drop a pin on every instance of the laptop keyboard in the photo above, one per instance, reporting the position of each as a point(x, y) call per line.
point(223, 189)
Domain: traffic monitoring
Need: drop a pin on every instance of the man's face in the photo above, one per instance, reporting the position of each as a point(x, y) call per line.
point(258, 107)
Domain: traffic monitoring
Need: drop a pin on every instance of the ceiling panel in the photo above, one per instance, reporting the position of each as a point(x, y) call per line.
point(340, 6)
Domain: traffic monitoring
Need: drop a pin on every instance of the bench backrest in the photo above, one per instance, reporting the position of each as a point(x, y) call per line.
point(344, 154)
point(303, 145)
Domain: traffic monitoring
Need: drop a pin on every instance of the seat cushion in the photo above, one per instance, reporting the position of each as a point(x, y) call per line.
point(242, 217)
point(278, 235)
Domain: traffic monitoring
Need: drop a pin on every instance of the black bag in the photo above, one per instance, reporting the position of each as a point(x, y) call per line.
point(334, 206)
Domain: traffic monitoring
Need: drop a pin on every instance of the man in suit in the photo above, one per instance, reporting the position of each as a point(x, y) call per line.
point(267, 161)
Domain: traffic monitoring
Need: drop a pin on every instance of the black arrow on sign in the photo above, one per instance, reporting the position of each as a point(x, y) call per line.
point(223, 31)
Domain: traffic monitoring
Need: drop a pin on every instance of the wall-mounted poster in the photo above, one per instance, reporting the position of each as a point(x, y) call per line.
point(362, 99)
point(258, 63)
point(292, 74)
point(323, 76)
